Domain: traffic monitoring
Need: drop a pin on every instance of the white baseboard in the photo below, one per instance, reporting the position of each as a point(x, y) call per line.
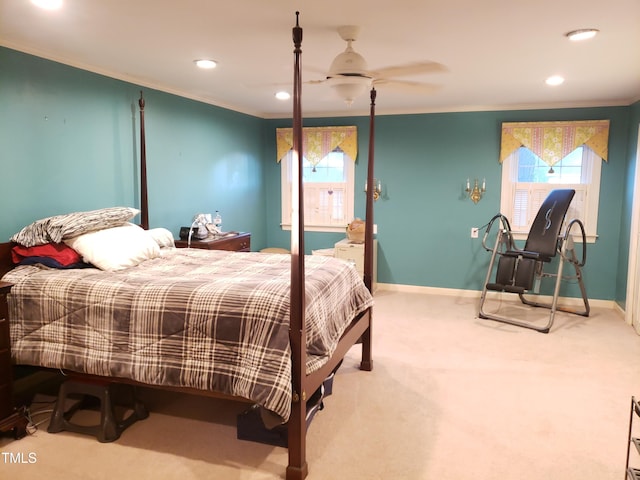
point(391, 287)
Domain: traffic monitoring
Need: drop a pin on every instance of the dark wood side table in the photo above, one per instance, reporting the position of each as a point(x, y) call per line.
point(239, 242)
point(11, 420)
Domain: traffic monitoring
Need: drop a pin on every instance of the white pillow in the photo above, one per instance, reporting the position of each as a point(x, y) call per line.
point(115, 248)
point(162, 236)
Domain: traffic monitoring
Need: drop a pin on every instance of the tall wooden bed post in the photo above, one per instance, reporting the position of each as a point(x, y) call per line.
point(367, 359)
point(297, 428)
point(144, 206)
point(303, 384)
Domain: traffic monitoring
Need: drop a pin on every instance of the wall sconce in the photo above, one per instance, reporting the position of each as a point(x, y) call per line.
point(377, 189)
point(475, 193)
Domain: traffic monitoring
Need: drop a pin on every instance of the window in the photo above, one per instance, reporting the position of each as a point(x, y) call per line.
point(328, 192)
point(328, 174)
point(527, 180)
point(575, 149)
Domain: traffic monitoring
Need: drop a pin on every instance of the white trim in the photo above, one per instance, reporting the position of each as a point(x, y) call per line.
point(313, 224)
point(382, 111)
point(318, 228)
point(634, 266)
point(453, 292)
point(449, 292)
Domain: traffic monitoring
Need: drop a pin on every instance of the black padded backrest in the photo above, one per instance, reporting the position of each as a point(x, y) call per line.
point(545, 229)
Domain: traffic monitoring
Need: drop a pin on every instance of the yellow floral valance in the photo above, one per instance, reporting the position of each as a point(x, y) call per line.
point(318, 142)
point(552, 141)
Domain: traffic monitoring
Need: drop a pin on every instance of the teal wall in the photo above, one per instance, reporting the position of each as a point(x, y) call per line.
point(424, 218)
point(201, 159)
point(70, 142)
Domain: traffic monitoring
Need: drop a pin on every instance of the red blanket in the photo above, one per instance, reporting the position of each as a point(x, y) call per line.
point(59, 252)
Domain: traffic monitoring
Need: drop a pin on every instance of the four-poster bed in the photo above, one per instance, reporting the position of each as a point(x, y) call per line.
point(309, 361)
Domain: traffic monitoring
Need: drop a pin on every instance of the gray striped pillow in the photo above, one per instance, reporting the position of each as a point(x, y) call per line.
point(55, 229)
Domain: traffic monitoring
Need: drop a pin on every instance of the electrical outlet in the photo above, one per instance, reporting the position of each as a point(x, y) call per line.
point(474, 232)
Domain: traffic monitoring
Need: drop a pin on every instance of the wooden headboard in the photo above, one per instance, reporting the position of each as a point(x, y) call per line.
point(6, 263)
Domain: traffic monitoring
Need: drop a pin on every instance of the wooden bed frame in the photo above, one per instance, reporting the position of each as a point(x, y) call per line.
point(304, 385)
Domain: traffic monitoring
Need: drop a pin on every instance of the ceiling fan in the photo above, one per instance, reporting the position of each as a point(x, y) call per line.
point(349, 75)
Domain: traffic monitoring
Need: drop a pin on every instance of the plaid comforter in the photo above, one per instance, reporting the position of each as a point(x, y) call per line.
point(209, 320)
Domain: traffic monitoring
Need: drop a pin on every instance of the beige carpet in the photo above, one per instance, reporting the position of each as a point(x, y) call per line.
point(450, 397)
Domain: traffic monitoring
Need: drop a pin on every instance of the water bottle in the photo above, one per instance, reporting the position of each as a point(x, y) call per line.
point(217, 221)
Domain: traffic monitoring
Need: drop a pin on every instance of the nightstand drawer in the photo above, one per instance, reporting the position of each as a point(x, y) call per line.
point(240, 242)
point(354, 253)
point(244, 244)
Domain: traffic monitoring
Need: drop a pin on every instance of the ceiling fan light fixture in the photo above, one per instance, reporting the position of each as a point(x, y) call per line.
point(205, 64)
point(348, 62)
point(282, 95)
point(349, 88)
point(582, 34)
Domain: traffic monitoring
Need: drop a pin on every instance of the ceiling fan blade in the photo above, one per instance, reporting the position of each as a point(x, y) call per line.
point(315, 82)
point(313, 69)
point(416, 68)
point(412, 87)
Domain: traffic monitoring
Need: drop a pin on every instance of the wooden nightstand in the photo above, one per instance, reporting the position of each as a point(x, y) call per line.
point(10, 418)
point(240, 242)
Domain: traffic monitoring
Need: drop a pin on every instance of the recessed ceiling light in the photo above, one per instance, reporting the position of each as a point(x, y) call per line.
point(48, 4)
point(582, 34)
point(283, 95)
point(206, 64)
point(554, 80)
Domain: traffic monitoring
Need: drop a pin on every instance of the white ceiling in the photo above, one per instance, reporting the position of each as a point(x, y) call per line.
point(497, 52)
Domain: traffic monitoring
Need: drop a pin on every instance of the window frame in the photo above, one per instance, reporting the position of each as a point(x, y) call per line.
point(285, 196)
point(589, 189)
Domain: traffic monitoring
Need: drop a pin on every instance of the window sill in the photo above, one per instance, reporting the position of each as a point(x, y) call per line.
point(319, 228)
